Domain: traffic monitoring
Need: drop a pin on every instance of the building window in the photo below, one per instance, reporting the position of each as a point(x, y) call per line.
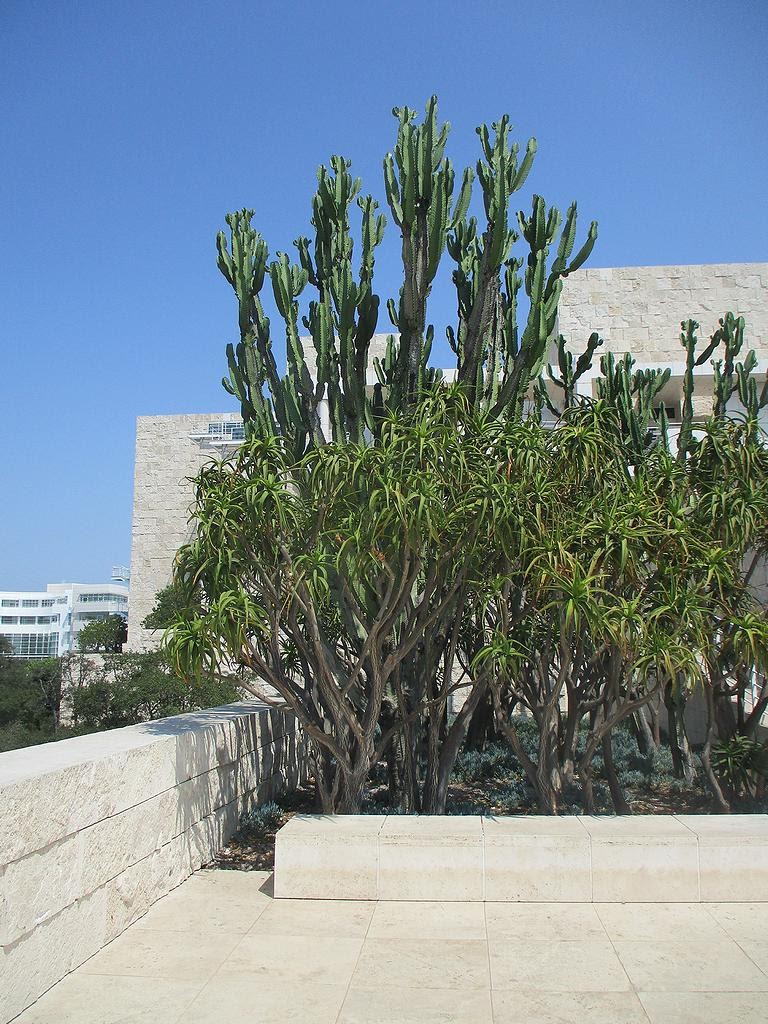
point(61, 600)
point(8, 603)
point(34, 645)
point(102, 599)
point(27, 620)
point(10, 620)
point(47, 602)
point(29, 602)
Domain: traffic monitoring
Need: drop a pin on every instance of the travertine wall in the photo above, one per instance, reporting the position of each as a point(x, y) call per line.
point(95, 829)
point(639, 309)
point(166, 458)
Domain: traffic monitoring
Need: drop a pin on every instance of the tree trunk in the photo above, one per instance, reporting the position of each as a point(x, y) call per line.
point(480, 730)
point(641, 730)
point(548, 777)
point(679, 746)
point(620, 804)
point(722, 804)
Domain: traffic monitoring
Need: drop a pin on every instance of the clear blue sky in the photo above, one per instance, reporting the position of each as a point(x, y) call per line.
point(129, 130)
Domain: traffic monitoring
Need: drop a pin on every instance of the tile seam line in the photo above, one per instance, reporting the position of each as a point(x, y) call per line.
point(205, 984)
point(616, 953)
point(750, 958)
point(357, 960)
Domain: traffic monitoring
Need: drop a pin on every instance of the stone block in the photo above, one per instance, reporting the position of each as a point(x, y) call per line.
point(431, 858)
point(643, 858)
point(733, 856)
point(39, 959)
point(328, 857)
point(537, 859)
point(39, 886)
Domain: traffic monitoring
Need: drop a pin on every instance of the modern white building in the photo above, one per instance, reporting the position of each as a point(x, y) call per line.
point(45, 624)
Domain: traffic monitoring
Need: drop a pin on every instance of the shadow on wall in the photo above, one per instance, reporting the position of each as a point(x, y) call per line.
point(226, 765)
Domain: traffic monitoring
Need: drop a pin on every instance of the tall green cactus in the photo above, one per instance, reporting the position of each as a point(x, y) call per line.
point(730, 377)
point(419, 182)
point(569, 375)
point(634, 396)
point(495, 362)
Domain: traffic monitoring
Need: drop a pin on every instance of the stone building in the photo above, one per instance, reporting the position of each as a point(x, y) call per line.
point(634, 309)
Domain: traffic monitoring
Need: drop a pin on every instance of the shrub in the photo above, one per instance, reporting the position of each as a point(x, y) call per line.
point(262, 820)
point(741, 762)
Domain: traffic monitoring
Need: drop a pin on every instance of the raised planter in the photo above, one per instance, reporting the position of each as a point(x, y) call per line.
point(684, 858)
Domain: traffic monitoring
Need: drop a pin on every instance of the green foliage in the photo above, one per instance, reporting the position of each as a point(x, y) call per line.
point(261, 821)
point(360, 561)
point(103, 635)
point(168, 602)
point(741, 762)
point(495, 360)
point(136, 688)
point(496, 761)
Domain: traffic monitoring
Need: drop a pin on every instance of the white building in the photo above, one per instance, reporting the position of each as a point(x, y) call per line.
point(45, 624)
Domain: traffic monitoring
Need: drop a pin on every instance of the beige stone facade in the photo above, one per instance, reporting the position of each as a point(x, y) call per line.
point(639, 309)
point(169, 451)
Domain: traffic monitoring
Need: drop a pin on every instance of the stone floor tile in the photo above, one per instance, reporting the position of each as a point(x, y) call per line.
point(568, 1008)
point(221, 878)
point(340, 919)
point(539, 921)
point(99, 999)
point(689, 966)
point(426, 963)
point(206, 908)
point(742, 920)
point(554, 966)
point(427, 921)
point(416, 1006)
point(641, 922)
point(704, 1007)
point(288, 960)
point(242, 1000)
point(163, 954)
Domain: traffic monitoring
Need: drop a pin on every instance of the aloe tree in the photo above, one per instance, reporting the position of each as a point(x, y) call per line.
point(599, 606)
point(324, 577)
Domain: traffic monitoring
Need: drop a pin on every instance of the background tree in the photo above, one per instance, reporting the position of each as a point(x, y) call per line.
point(103, 635)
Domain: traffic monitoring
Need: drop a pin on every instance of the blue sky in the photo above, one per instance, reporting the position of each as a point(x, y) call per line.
point(129, 130)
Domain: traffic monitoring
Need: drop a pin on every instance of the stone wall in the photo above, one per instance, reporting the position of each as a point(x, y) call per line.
point(166, 458)
point(96, 828)
point(639, 309)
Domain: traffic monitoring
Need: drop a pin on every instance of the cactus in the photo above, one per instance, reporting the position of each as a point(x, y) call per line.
point(730, 377)
point(633, 395)
point(495, 362)
point(569, 374)
point(419, 182)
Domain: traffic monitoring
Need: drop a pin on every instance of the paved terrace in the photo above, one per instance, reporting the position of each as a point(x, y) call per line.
point(220, 949)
